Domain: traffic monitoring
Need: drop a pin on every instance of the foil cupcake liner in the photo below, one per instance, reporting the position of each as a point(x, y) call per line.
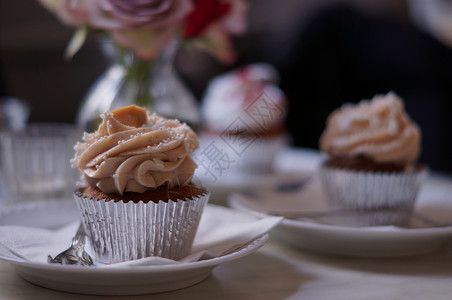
point(120, 231)
point(390, 195)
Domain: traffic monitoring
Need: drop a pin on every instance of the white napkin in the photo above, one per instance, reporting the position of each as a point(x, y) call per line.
point(34, 244)
point(219, 232)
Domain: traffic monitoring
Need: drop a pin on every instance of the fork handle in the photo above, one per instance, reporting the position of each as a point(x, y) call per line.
point(79, 239)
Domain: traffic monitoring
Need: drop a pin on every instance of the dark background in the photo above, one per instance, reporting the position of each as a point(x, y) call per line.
point(328, 53)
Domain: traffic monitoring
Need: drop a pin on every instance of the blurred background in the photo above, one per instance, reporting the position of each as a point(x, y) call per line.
point(327, 52)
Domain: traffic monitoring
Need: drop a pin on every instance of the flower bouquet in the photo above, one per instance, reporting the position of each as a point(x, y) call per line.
point(143, 31)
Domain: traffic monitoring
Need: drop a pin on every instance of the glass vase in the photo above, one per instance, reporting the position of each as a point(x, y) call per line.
point(152, 84)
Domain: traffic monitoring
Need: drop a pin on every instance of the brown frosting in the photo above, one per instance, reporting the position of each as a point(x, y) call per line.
point(162, 193)
point(378, 129)
point(133, 151)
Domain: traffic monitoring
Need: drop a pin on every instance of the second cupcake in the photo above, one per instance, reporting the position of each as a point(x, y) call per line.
point(373, 148)
point(244, 114)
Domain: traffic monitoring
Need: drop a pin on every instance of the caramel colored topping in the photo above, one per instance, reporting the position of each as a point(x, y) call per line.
point(379, 129)
point(133, 152)
point(131, 115)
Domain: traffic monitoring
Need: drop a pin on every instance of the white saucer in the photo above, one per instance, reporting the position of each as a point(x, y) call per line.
point(434, 202)
point(115, 281)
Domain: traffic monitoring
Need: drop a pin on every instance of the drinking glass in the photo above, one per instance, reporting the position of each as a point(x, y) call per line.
point(36, 162)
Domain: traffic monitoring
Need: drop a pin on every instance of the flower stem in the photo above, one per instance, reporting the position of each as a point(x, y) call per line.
point(138, 75)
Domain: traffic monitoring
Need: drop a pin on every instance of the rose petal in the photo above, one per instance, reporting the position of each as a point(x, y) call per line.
point(235, 21)
point(146, 43)
point(218, 43)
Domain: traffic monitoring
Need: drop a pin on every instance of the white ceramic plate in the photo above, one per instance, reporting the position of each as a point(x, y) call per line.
point(434, 202)
point(114, 281)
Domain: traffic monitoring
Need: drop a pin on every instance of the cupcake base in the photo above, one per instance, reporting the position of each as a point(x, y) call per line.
point(362, 163)
point(162, 193)
point(373, 191)
point(121, 230)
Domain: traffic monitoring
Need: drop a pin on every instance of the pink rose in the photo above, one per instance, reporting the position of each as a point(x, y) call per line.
point(147, 26)
point(142, 14)
point(144, 26)
point(120, 14)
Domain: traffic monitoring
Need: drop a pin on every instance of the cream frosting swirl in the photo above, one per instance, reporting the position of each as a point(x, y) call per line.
point(378, 128)
point(136, 153)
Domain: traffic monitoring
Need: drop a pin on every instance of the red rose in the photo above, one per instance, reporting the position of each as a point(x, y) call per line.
point(205, 13)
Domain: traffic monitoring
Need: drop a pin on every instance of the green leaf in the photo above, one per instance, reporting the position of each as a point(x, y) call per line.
point(76, 42)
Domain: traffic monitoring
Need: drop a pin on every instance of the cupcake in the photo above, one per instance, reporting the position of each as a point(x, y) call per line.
point(372, 149)
point(244, 114)
point(137, 198)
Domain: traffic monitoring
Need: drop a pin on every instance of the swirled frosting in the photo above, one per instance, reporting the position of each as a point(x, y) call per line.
point(378, 129)
point(134, 151)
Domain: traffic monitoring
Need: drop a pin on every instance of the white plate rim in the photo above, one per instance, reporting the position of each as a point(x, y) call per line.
point(235, 202)
point(245, 250)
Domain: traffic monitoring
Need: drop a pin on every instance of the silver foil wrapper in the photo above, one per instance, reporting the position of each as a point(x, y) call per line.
point(389, 195)
point(120, 231)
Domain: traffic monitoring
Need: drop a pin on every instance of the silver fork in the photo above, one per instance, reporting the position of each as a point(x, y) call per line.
point(76, 253)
